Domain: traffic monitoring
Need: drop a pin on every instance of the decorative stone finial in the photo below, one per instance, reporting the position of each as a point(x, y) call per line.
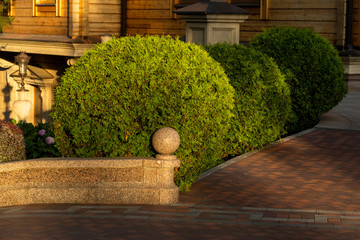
point(166, 141)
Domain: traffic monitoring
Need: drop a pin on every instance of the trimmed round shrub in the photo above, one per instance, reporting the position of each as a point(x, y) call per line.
point(120, 92)
point(12, 145)
point(262, 98)
point(313, 67)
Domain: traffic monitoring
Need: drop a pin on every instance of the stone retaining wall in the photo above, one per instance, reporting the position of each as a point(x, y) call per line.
point(89, 181)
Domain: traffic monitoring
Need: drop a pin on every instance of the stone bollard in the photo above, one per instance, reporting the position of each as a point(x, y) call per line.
point(166, 141)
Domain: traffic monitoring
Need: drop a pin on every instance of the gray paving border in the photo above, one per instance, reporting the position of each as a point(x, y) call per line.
point(200, 214)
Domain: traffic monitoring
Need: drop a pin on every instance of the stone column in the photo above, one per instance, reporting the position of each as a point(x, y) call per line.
point(209, 22)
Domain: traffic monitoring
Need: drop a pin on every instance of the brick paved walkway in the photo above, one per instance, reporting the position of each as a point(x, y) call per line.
point(180, 221)
point(305, 188)
point(319, 170)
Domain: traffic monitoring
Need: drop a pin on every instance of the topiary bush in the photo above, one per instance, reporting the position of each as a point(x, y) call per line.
point(39, 140)
point(119, 93)
point(314, 71)
point(262, 98)
point(12, 146)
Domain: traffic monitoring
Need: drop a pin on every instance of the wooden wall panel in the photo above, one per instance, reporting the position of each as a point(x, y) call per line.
point(315, 26)
point(148, 4)
point(318, 15)
point(149, 14)
point(151, 31)
point(153, 17)
point(45, 23)
point(157, 24)
point(108, 9)
point(54, 30)
point(283, 4)
point(356, 24)
point(97, 17)
point(51, 21)
point(303, 15)
point(104, 18)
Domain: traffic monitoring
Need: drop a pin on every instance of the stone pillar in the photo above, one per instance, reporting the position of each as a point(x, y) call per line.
point(209, 22)
point(166, 141)
point(352, 72)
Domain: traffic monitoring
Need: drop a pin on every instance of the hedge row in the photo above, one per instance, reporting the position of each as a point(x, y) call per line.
point(262, 98)
point(313, 68)
point(120, 92)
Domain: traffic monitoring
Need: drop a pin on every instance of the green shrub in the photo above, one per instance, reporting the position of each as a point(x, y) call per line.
point(12, 146)
point(262, 98)
point(119, 93)
point(39, 140)
point(314, 71)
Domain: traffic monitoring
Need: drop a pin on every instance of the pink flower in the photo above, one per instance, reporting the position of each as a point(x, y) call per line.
point(41, 132)
point(50, 140)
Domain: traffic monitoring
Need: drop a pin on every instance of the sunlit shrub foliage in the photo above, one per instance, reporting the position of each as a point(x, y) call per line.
point(120, 92)
point(262, 98)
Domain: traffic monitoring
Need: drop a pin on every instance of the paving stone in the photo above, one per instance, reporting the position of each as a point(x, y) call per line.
point(305, 188)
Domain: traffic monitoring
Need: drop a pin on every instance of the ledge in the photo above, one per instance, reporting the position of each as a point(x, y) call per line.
point(88, 181)
point(45, 44)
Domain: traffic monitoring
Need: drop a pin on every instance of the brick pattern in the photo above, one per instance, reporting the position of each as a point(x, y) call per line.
point(179, 221)
point(196, 214)
point(305, 188)
point(319, 170)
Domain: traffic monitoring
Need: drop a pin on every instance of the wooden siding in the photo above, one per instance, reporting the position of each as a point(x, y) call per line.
point(45, 23)
point(318, 15)
point(104, 17)
point(325, 17)
point(95, 17)
point(355, 24)
point(153, 17)
point(98, 17)
point(87, 18)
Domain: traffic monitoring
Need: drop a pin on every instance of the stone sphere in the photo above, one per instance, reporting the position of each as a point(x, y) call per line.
point(166, 140)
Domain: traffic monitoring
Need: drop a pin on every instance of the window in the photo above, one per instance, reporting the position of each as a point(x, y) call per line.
point(5, 14)
point(47, 8)
point(5, 8)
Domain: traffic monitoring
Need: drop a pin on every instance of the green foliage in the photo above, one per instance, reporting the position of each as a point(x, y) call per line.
point(262, 98)
point(38, 140)
point(12, 146)
point(120, 92)
point(314, 71)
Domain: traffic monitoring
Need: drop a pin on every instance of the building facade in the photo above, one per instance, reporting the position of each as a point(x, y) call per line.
point(57, 32)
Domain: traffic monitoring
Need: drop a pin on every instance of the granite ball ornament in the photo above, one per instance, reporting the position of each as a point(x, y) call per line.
point(166, 141)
